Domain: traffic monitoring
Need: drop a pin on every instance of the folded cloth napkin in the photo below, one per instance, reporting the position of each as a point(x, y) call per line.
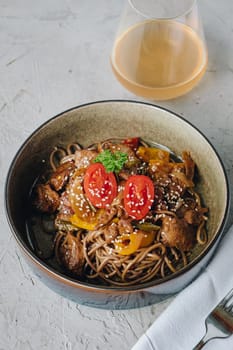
point(181, 325)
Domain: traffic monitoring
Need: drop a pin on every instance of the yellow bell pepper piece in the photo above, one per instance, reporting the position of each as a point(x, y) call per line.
point(150, 153)
point(148, 238)
point(76, 221)
point(128, 243)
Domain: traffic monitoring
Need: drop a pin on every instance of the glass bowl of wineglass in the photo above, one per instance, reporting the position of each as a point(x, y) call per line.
point(159, 51)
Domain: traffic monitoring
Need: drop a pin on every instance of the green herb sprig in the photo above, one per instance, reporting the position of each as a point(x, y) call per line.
point(113, 162)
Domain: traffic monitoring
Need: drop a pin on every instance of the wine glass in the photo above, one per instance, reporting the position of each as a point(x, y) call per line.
point(159, 52)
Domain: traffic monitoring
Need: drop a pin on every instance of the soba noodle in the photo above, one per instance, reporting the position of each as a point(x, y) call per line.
point(100, 259)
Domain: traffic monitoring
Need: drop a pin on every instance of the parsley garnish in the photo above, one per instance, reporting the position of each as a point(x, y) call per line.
point(113, 162)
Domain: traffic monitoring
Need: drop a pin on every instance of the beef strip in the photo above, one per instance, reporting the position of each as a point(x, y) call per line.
point(46, 199)
point(71, 254)
point(177, 233)
point(61, 175)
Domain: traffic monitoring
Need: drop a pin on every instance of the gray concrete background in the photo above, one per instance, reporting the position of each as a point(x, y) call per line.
point(54, 54)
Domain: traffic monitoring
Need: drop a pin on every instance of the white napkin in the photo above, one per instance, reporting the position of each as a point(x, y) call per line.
point(181, 325)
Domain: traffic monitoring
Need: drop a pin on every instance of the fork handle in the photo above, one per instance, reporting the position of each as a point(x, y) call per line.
point(200, 345)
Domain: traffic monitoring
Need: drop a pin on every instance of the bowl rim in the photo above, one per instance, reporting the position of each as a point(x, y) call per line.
point(95, 287)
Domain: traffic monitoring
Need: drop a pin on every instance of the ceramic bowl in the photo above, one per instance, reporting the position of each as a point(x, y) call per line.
point(90, 123)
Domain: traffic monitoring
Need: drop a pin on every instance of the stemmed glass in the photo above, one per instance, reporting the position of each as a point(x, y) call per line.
point(159, 51)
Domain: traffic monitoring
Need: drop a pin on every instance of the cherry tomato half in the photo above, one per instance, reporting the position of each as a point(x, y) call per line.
point(138, 196)
point(100, 187)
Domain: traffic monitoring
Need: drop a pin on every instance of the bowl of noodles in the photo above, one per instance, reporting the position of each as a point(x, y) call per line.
point(117, 204)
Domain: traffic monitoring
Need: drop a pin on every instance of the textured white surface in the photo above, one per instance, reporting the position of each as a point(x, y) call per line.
point(54, 54)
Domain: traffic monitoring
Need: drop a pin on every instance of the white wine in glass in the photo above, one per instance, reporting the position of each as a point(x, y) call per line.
point(160, 57)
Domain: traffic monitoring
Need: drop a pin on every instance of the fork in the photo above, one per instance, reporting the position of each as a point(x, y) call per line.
point(219, 323)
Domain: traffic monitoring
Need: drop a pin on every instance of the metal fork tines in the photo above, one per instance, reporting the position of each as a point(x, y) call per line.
point(219, 324)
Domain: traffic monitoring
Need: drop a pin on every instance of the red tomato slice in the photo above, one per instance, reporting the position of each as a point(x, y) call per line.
point(100, 187)
point(138, 196)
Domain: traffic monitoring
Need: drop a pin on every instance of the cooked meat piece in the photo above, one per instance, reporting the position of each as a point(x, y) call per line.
point(71, 254)
point(189, 165)
point(124, 174)
point(111, 232)
point(118, 201)
point(106, 216)
point(176, 187)
point(84, 157)
point(169, 190)
point(194, 217)
point(160, 203)
point(46, 199)
point(61, 176)
point(125, 226)
point(188, 203)
point(177, 233)
point(65, 210)
point(182, 179)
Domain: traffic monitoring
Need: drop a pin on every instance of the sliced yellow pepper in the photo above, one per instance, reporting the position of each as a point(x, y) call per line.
point(150, 153)
point(76, 221)
point(148, 238)
point(128, 243)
